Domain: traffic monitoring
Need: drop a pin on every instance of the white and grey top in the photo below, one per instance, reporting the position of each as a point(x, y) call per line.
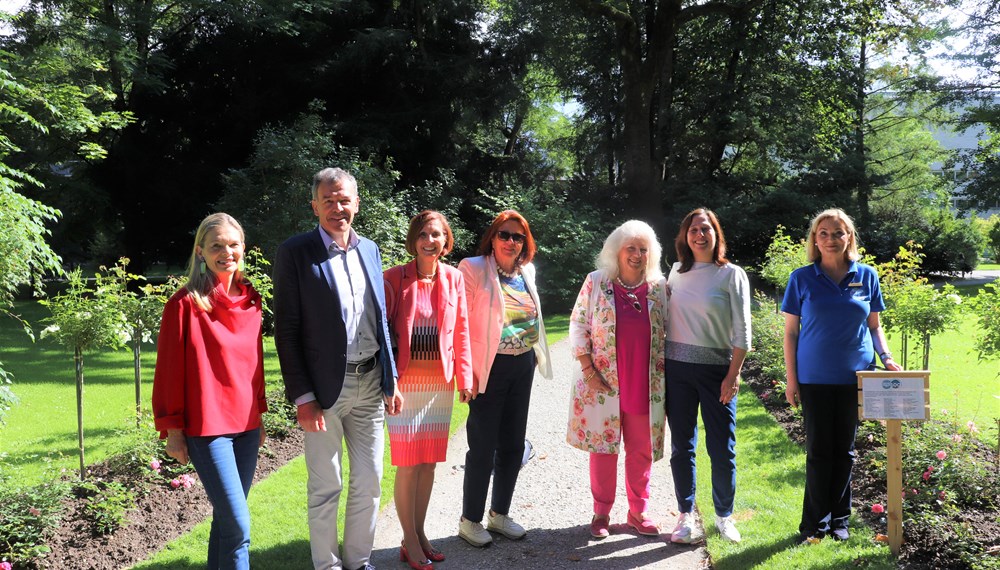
point(709, 313)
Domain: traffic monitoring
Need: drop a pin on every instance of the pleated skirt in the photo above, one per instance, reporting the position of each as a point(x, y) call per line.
point(419, 434)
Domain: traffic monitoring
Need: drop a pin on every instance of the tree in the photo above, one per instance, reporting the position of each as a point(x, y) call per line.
point(271, 195)
point(85, 319)
point(141, 308)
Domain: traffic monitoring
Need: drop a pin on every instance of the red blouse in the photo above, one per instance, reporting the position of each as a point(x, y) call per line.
point(209, 377)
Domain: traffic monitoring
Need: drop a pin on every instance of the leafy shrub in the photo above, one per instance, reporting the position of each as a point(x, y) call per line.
point(768, 337)
point(280, 419)
point(258, 272)
point(783, 256)
point(107, 504)
point(27, 517)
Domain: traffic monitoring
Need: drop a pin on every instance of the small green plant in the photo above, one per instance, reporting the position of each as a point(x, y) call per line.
point(784, 255)
point(141, 308)
point(914, 307)
point(768, 352)
point(84, 319)
point(28, 515)
point(107, 504)
point(258, 272)
point(280, 419)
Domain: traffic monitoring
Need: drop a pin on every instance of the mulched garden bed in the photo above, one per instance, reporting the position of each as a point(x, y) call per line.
point(162, 514)
point(923, 547)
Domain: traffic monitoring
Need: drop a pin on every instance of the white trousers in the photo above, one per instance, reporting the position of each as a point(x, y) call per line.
point(356, 418)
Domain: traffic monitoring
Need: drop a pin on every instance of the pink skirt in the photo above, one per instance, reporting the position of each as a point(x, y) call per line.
point(419, 434)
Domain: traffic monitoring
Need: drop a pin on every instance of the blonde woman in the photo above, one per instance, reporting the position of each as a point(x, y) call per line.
point(208, 388)
point(832, 330)
point(617, 332)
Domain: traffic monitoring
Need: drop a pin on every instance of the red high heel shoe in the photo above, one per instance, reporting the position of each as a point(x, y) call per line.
point(434, 555)
point(404, 556)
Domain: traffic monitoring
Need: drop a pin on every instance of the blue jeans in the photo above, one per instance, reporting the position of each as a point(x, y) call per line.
point(225, 465)
point(688, 386)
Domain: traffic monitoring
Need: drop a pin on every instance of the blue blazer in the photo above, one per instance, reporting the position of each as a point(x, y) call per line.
point(309, 333)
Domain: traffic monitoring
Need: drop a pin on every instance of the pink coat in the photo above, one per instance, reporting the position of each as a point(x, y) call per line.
point(452, 319)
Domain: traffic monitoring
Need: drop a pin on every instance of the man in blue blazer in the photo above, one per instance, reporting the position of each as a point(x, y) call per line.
point(332, 337)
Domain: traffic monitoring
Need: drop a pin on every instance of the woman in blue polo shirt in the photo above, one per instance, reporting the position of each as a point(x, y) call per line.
point(832, 330)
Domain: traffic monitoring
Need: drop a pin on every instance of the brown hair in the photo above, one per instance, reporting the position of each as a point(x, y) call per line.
point(684, 253)
point(527, 250)
point(417, 224)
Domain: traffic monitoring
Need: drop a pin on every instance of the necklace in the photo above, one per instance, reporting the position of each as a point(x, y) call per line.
point(430, 275)
point(512, 275)
point(629, 287)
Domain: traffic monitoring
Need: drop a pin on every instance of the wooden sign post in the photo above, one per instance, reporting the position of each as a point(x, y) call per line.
point(894, 397)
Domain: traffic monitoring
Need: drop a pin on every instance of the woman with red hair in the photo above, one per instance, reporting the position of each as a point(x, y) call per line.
point(508, 342)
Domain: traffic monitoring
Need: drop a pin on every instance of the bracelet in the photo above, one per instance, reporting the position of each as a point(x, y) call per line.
point(587, 379)
point(885, 356)
point(587, 367)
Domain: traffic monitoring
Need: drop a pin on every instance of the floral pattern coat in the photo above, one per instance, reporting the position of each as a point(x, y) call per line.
point(595, 417)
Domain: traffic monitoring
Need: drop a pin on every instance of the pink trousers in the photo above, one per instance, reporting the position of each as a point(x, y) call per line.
point(638, 465)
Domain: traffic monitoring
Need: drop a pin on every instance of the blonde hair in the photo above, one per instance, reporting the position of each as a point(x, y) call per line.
point(812, 251)
point(201, 285)
point(607, 260)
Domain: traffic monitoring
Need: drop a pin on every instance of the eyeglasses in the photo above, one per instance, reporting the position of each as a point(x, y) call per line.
point(504, 235)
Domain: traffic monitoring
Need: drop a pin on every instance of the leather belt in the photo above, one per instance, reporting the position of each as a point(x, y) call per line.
point(363, 367)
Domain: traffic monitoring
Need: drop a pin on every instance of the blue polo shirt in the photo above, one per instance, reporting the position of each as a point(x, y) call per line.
point(834, 340)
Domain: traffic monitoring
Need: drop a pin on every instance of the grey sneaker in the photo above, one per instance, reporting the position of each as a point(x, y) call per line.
point(505, 526)
point(474, 533)
point(686, 530)
point(727, 529)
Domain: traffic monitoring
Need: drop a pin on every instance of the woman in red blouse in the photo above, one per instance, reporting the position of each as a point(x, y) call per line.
point(208, 389)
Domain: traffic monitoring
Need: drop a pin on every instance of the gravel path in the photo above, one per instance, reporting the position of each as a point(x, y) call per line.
point(552, 501)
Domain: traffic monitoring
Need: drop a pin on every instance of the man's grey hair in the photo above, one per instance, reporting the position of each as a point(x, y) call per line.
point(331, 175)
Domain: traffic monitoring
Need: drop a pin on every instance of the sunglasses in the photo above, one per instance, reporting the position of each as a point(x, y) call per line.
point(632, 299)
point(504, 235)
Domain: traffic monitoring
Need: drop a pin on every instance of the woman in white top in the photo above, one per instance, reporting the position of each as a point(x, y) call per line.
point(707, 341)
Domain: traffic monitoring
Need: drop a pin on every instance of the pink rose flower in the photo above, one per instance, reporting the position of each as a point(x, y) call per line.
point(5, 565)
point(972, 427)
point(941, 455)
point(155, 465)
point(941, 495)
point(926, 475)
point(878, 509)
point(956, 438)
point(175, 483)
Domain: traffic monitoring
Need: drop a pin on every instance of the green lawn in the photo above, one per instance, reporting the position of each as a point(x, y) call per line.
point(770, 478)
point(988, 266)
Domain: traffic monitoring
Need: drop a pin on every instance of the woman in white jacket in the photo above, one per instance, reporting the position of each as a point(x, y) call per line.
point(508, 342)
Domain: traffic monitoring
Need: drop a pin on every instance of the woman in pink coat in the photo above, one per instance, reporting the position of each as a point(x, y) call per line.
point(425, 302)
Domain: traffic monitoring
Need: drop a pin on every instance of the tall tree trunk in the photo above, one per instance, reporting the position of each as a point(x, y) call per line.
point(864, 189)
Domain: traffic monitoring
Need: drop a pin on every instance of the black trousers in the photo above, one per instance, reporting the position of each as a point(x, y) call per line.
point(830, 413)
point(497, 421)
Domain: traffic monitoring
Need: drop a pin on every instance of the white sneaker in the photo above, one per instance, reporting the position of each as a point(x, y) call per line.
point(686, 530)
point(727, 529)
point(474, 533)
point(505, 526)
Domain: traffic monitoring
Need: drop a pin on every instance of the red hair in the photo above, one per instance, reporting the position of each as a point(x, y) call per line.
point(527, 250)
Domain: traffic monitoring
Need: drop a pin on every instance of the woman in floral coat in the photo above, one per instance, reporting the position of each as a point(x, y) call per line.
point(618, 395)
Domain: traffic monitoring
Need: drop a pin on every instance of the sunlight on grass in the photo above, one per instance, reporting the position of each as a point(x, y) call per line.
point(770, 478)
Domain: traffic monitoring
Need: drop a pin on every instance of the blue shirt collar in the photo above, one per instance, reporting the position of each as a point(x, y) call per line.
point(852, 270)
point(352, 239)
